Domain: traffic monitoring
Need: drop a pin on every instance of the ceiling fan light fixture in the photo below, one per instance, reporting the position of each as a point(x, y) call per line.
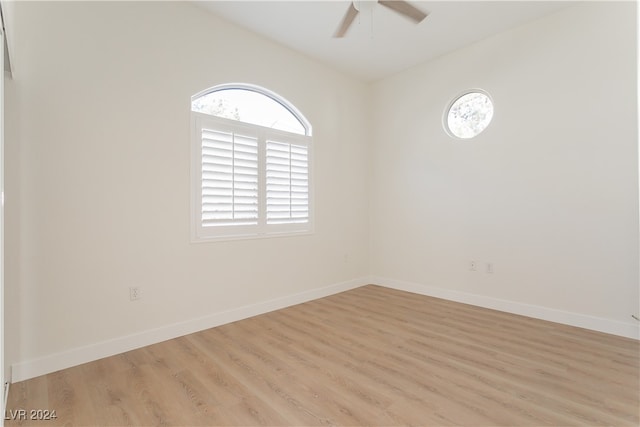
point(364, 6)
point(401, 7)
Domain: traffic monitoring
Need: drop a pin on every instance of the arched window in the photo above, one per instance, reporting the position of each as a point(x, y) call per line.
point(251, 157)
point(251, 104)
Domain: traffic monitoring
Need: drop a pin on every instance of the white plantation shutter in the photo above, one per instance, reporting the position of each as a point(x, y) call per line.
point(249, 181)
point(229, 178)
point(287, 180)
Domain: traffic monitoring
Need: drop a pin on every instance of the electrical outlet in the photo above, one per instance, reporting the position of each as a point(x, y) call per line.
point(134, 293)
point(489, 267)
point(473, 266)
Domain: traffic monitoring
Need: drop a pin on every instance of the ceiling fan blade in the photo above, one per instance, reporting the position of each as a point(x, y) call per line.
point(351, 14)
point(405, 8)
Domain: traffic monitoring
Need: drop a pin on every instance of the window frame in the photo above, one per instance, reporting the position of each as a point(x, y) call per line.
point(447, 110)
point(261, 91)
point(201, 233)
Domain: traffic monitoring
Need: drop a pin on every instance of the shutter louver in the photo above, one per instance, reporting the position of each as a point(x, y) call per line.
point(287, 182)
point(229, 179)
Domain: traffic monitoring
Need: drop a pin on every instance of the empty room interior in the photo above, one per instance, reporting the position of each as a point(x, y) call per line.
point(320, 213)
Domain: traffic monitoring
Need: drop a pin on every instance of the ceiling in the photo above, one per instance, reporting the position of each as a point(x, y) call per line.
point(380, 42)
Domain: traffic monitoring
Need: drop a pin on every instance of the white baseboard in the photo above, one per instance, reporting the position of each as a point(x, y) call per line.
point(77, 356)
point(629, 330)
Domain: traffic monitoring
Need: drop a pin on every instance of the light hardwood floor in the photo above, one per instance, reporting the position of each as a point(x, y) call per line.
point(370, 356)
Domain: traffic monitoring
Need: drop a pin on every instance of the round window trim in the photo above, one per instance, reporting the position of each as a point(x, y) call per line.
point(468, 114)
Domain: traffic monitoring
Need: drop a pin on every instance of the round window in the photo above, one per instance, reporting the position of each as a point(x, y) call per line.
point(469, 114)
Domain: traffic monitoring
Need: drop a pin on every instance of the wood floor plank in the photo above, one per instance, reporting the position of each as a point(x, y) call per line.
point(369, 356)
point(107, 391)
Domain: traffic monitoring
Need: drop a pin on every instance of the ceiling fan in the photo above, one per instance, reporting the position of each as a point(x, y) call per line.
point(400, 6)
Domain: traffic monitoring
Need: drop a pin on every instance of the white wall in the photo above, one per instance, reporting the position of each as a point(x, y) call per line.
point(98, 176)
point(548, 193)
